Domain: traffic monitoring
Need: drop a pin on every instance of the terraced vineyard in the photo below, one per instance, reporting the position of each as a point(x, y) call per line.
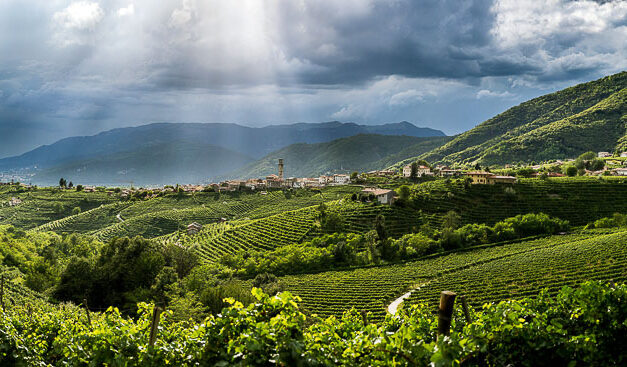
point(372, 289)
point(41, 206)
point(165, 215)
point(217, 240)
point(85, 222)
point(578, 200)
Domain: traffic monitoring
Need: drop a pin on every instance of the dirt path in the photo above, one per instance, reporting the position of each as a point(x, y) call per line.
point(119, 217)
point(393, 307)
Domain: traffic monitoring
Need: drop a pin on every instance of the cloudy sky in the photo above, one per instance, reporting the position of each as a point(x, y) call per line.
point(79, 67)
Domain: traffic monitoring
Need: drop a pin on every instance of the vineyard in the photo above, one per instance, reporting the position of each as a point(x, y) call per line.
point(41, 206)
point(572, 256)
point(219, 239)
point(578, 200)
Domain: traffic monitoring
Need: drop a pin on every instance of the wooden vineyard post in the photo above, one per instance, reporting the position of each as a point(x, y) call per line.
point(465, 308)
point(87, 310)
point(445, 312)
point(154, 325)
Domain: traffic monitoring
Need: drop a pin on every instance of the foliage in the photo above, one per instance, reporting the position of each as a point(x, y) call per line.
point(579, 326)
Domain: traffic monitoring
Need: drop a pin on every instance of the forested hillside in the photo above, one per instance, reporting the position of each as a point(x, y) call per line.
point(564, 124)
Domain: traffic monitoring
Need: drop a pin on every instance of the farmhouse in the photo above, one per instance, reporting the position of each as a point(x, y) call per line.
point(383, 196)
point(421, 171)
point(623, 154)
point(481, 177)
point(193, 228)
point(604, 154)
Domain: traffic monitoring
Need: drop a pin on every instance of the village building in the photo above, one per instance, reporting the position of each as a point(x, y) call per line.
point(289, 182)
point(382, 173)
point(15, 202)
point(193, 228)
point(604, 154)
point(323, 180)
point(548, 174)
point(623, 154)
point(421, 171)
point(89, 189)
point(487, 178)
point(450, 172)
point(620, 171)
point(383, 196)
point(341, 179)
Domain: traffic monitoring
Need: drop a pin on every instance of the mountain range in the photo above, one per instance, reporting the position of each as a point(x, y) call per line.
point(178, 152)
point(564, 124)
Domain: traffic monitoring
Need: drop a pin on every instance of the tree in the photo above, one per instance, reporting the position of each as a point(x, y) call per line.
point(380, 227)
point(70, 185)
point(76, 211)
point(79, 187)
point(414, 171)
point(354, 176)
point(404, 192)
point(587, 156)
point(596, 164)
point(571, 171)
point(451, 220)
point(62, 182)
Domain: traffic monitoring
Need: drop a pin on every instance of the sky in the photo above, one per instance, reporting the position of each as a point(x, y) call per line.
point(80, 67)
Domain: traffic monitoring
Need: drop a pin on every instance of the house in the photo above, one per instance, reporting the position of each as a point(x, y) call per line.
point(341, 179)
point(193, 228)
point(384, 196)
point(15, 202)
point(481, 177)
point(289, 182)
point(623, 154)
point(382, 173)
point(501, 180)
point(620, 171)
point(89, 189)
point(450, 172)
point(548, 174)
point(421, 171)
point(311, 182)
point(604, 154)
point(323, 180)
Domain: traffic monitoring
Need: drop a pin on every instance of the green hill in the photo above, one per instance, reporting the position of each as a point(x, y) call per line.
point(588, 116)
point(363, 152)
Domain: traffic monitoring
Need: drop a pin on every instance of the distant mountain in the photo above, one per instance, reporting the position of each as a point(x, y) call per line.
point(588, 116)
point(363, 152)
point(253, 142)
point(176, 152)
point(156, 164)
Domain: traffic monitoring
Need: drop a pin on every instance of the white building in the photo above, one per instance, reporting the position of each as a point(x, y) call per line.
point(341, 179)
point(620, 171)
point(604, 154)
point(623, 154)
point(422, 171)
point(383, 196)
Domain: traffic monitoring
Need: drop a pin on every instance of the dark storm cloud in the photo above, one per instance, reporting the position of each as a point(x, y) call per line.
point(80, 66)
